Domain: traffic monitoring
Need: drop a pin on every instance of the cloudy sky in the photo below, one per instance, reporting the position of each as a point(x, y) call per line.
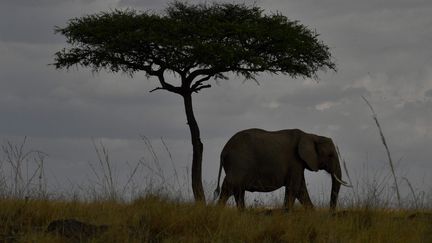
point(381, 48)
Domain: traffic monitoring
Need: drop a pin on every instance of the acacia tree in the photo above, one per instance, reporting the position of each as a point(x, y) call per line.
point(197, 43)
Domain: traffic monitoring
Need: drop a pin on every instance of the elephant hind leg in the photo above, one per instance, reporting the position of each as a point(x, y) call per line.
point(226, 192)
point(289, 198)
point(239, 196)
point(292, 189)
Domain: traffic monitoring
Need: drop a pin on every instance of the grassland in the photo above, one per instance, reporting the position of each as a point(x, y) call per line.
point(30, 213)
point(154, 219)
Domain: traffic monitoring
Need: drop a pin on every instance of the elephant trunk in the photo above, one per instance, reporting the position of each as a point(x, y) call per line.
point(336, 175)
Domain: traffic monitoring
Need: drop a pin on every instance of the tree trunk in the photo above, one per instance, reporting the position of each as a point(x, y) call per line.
point(197, 147)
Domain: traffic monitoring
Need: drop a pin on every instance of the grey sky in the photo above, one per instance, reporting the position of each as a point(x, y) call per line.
point(382, 49)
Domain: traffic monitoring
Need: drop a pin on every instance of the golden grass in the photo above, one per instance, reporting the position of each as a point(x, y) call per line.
point(153, 219)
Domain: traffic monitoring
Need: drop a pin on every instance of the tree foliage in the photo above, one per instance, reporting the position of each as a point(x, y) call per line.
point(195, 41)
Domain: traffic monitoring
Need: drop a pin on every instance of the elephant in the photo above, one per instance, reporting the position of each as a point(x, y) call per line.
point(257, 160)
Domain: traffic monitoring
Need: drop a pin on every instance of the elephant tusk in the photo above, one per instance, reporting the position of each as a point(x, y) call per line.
point(341, 181)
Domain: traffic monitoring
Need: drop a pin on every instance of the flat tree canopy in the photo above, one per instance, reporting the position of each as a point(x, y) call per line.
point(197, 43)
point(194, 40)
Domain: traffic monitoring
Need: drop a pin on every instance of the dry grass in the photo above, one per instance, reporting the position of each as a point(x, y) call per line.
point(27, 210)
point(154, 219)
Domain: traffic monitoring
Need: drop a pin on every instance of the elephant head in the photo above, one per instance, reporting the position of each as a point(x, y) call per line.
point(319, 153)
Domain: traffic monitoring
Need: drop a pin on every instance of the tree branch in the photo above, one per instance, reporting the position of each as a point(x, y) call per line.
point(163, 53)
point(157, 88)
point(201, 87)
point(198, 83)
point(148, 69)
point(207, 72)
point(164, 84)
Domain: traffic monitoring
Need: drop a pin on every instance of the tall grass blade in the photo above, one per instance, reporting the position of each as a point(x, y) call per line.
point(172, 163)
point(383, 140)
point(412, 192)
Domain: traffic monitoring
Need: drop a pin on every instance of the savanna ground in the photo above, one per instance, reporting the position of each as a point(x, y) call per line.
point(114, 212)
point(157, 219)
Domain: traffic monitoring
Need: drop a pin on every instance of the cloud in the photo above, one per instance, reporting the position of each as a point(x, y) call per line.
point(428, 93)
point(380, 48)
point(321, 94)
point(34, 21)
point(325, 105)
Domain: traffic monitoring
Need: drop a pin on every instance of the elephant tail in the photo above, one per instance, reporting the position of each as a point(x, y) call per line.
point(217, 191)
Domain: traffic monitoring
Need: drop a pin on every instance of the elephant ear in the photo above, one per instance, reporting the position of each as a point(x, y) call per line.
point(307, 151)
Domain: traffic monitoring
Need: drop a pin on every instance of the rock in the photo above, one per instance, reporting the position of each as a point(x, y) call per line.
point(74, 229)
